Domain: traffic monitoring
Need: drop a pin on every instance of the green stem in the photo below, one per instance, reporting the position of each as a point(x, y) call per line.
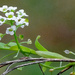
point(17, 42)
point(6, 56)
point(58, 68)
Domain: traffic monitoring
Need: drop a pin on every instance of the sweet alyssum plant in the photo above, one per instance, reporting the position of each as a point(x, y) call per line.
point(19, 19)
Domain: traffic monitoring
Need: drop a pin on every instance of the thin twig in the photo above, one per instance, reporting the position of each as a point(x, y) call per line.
point(35, 59)
point(41, 69)
point(7, 69)
point(64, 70)
point(23, 65)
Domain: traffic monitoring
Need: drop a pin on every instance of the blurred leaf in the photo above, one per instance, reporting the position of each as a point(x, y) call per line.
point(38, 45)
point(25, 49)
point(46, 63)
point(3, 46)
point(48, 54)
point(12, 44)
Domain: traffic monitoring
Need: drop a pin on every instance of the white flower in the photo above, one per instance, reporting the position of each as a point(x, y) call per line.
point(2, 20)
point(22, 26)
point(10, 16)
point(12, 9)
point(67, 51)
point(4, 8)
point(11, 30)
point(29, 41)
point(22, 22)
point(21, 13)
point(19, 22)
point(26, 23)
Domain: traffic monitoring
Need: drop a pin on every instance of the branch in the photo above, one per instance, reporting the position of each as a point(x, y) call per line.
point(25, 59)
point(32, 61)
point(64, 70)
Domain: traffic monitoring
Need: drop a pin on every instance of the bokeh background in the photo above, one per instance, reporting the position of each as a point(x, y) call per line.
point(54, 20)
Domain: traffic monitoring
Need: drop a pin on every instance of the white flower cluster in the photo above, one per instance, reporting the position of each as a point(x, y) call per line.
point(18, 19)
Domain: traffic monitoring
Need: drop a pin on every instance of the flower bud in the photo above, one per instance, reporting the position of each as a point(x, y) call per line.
point(29, 41)
point(51, 70)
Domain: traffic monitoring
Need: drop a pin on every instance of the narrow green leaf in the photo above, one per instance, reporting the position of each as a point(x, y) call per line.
point(12, 44)
point(48, 54)
point(46, 63)
point(3, 46)
point(6, 56)
point(38, 45)
point(25, 49)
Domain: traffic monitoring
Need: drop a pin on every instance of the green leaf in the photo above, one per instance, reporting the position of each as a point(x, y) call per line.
point(46, 63)
point(3, 46)
point(48, 54)
point(11, 44)
point(25, 49)
point(38, 45)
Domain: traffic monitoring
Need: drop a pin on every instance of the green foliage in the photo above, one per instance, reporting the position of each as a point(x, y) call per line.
point(38, 45)
point(3, 46)
point(48, 54)
point(24, 49)
point(11, 44)
point(47, 64)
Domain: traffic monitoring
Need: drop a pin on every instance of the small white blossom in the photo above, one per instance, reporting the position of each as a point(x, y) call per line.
point(12, 9)
point(22, 26)
point(67, 51)
point(26, 23)
point(11, 30)
point(2, 20)
point(21, 13)
point(29, 41)
point(4, 8)
point(10, 16)
point(22, 22)
point(19, 22)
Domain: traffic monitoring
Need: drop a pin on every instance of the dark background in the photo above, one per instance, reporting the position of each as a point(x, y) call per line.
point(54, 20)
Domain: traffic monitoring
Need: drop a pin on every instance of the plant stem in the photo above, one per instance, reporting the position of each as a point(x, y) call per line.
point(17, 42)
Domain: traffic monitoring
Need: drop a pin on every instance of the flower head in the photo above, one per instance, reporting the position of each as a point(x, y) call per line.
point(22, 22)
point(19, 19)
point(21, 13)
point(4, 8)
point(11, 30)
point(2, 20)
point(12, 9)
point(10, 16)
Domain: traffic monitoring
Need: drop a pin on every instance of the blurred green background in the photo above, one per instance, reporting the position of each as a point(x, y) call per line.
point(54, 20)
